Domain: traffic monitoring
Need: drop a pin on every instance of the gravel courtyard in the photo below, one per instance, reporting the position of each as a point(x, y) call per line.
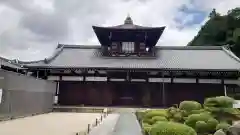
point(48, 124)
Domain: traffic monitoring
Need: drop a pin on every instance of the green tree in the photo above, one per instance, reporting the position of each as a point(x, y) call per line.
point(220, 30)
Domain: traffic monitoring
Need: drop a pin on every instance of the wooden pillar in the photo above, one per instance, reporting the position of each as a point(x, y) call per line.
point(128, 77)
point(225, 90)
point(37, 74)
point(163, 91)
point(57, 93)
point(57, 88)
point(26, 72)
point(45, 75)
point(223, 84)
point(224, 87)
point(84, 75)
point(197, 77)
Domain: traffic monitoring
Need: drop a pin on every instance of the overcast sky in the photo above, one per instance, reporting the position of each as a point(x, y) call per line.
point(31, 29)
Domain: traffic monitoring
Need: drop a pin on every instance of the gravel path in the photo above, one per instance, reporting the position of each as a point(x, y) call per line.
point(127, 124)
point(48, 124)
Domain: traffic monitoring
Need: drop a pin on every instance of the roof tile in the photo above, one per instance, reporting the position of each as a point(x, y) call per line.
point(206, 58)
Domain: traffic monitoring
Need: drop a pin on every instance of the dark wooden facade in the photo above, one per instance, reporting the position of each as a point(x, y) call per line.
point(134, 94)
point(138, 89)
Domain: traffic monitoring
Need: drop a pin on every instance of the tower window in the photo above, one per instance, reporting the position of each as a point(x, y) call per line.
point(114, 46)
point(128, 47)
point(142, 46)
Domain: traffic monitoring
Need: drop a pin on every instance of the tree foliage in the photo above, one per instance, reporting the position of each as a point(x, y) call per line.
point(220, 30)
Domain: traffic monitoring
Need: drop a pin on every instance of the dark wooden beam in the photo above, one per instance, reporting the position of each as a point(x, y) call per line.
point(197, 77)
point(171, 76)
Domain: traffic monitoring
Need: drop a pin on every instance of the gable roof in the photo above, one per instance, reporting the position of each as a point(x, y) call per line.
point(171, 58)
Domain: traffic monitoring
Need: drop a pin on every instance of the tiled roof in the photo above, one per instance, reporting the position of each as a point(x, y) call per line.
point(9, 63)
point(184, 58)
point(128, 24)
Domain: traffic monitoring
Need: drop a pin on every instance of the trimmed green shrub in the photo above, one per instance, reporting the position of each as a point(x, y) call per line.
point(147, 118)
point(201, 127)
point(224, 126)
point(171, 111)
point(198, 111)
point(175, 114)
point(146, 125)
point(171, 128)
point(190, 105)
point(220, 132)
point(158, 118)
point(221, 101)
point(192, 119)
point(222, 108)
point(148, 121)
point(178, 117)
point(140, 115)
point(212, 124)
point(152, 113)
point(146, 128)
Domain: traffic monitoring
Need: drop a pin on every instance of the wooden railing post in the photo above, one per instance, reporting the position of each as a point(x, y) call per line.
point(88, 129)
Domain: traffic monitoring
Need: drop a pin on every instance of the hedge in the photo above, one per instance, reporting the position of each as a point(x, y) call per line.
point(171, 128)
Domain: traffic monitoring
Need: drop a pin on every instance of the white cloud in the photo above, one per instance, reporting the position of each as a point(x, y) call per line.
point(32, 28)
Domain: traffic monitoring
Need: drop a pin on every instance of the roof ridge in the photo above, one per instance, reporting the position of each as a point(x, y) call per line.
point(230, 53)
point(190, 47)
point(80, 46)
point(54, 55)
point(14, 62)
point(71, 46)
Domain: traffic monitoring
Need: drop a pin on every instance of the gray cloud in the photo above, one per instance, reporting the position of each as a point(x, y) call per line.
point(48, 27)
point(20, 5)
point(33, 28)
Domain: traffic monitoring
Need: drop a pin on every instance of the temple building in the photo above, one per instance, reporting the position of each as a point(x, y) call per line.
point(128, 69)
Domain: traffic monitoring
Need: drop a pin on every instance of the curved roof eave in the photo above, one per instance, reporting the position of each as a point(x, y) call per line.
point(130, 27)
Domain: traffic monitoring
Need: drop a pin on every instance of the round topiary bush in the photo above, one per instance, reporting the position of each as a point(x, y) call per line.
point(178, 117)
point(212, 124)
point(224, 126)
point(171, 111)
point(192, 119)
point(201, 127)
point(221, 101)
point(198, 111)
point(190, 105)
point(220, 132)
point(158, 118)
point(148, 121)
point(152, 113)
point(171, 128)
point(175, 114)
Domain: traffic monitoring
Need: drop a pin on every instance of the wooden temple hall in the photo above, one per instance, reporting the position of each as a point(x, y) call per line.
point(128, 69)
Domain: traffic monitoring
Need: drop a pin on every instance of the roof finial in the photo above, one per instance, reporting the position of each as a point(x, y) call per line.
point(128, 15)
point(128, 20)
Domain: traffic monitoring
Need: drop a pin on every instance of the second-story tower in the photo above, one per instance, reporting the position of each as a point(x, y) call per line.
point(128, 39)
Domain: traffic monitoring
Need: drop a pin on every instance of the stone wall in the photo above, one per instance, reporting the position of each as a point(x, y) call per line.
point(24, 95)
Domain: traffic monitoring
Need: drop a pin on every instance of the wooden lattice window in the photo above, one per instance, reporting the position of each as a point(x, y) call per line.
point(128, 47)
point(142, 46)
point(114, 47)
